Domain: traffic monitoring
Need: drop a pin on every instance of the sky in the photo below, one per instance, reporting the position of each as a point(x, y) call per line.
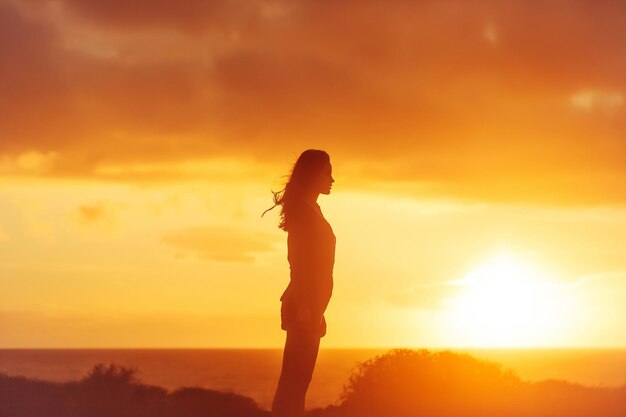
point(477, 148)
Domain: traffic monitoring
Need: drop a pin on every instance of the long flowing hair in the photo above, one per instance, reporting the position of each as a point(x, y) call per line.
point(308, 165)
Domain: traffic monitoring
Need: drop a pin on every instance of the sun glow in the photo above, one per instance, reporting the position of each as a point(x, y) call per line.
point(507, 303)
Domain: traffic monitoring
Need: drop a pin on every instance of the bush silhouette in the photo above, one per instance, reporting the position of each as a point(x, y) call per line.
point(24, 397)
point(111, 375)
point(115, 391)
point(202, 402)
point(400, 383)
point(421, 383)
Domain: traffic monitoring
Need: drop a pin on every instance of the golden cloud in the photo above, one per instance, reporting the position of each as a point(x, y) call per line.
point(220, 243)
point(415, 85)
point(99, 214)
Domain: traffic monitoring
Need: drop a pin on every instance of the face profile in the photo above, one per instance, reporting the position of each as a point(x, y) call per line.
point(324, 180)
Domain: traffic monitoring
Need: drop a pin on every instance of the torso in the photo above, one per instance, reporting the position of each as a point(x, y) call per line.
point(320, 244)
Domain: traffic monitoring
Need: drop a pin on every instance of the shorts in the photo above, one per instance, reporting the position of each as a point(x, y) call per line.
point(288, 311)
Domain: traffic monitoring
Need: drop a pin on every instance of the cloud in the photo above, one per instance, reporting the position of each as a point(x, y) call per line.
point(192, 16)
point(427, 297)
point(612, 275)
point(504, 275)
point(32, 162)
point(74, 329)
point(220, 243)
point(491, 34)
point(219, 169)
point(99, 214)
point(415, 85)
point(593, 99)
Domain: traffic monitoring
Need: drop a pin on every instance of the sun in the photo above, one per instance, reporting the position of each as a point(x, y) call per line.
point(506, 303)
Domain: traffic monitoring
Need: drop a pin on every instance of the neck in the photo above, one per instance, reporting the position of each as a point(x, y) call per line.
point(311, 198)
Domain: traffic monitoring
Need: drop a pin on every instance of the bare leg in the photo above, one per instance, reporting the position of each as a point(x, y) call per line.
point(299, 356)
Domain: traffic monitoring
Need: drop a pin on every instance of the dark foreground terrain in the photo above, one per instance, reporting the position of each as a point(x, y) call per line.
point(400, 383)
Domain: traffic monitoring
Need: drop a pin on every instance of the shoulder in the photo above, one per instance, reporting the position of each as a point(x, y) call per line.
point(302, 216)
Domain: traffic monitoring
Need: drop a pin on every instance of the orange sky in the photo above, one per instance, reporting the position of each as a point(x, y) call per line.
point(139, 141)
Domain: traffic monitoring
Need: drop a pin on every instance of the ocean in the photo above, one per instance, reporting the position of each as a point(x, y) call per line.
point(254, 372)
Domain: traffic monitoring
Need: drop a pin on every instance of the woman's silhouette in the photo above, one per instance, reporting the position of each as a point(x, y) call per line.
point(311, 255)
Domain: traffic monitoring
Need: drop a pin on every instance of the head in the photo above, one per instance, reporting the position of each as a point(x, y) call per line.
point(310, 176)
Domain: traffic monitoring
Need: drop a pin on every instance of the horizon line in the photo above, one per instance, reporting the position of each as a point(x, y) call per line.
point(572, 347)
